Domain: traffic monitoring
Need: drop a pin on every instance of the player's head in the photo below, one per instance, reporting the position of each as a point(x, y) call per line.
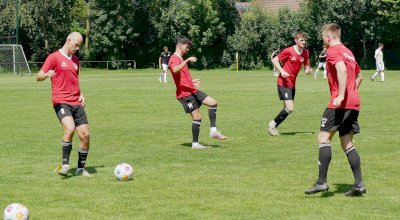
point(300, 38)
point(183, 44)
point(73, 42)
point(165, 49)
point(331, 33)
point(380, 45)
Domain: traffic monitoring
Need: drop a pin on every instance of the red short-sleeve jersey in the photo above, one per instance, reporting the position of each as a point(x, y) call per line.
point(183, 79)
point(65, 83)
point(335, 54)
point(292, 62)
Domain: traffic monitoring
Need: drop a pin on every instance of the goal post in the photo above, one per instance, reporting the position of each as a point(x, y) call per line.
point(13, 60)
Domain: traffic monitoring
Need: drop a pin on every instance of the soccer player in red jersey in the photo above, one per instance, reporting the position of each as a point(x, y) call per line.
point(62, 67)
point(292, 58)
point(188, 94)
point(341, 114)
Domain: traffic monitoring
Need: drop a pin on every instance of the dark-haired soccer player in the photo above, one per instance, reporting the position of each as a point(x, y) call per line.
point(292, 58)
point(342, 111)
point(163, 64)
point(62, 67)
point(188, 94)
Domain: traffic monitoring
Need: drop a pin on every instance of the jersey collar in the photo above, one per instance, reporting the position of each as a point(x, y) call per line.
point(65, 55)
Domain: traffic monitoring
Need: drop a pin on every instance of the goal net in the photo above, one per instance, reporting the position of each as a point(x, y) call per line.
point(13, 60)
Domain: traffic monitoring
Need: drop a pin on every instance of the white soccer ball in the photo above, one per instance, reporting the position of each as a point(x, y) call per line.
point(16, 211)
point(123, 172)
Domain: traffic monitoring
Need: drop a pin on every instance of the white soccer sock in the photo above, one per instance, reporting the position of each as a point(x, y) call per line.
point(213, 129)
point(375, 74)
point(382, 76)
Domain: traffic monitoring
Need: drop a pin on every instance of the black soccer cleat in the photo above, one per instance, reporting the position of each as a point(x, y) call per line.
point(317, 188)
point(356, 191)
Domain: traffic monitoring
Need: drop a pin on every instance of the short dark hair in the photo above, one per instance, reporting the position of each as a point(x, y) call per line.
point(183, 40)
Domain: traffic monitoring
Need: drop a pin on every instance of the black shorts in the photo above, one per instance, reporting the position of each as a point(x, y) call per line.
point(76, 111)
point(342, 120)
point(193, 102)
point(286, 93)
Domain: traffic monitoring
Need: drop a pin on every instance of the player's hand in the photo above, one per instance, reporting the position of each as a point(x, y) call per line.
point(309, 71)
point(191, 59)
point(50, 73)
point(196, 83)
point(285, 74)
point(82, 100)
point(337, 102)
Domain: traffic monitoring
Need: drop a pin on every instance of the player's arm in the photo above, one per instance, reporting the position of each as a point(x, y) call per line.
point(42, 75)
point(308, 69)
point(358, 77)
point(178, 68)
point(342, 80)
point(82, 100)
point(159, 62)
point(278, 66)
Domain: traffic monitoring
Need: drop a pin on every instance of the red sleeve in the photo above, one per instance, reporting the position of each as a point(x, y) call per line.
point(357, 69)
point(334, 57)
point(49, 64)
point(173, 62)
point(284, 55)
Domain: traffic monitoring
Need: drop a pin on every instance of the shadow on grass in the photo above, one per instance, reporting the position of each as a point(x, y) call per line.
point(90, 169)
point(207, 145)
point(298, 132)
point(340, 188)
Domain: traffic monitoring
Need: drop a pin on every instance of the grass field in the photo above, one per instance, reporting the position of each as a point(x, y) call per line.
point(135, 119)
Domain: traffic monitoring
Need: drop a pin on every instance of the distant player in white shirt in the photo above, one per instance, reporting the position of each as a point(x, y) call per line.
point(380, 66)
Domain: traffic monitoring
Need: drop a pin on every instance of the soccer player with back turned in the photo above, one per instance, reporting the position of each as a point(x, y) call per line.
point(341, 114)
point(188, 94)
point(62, 67)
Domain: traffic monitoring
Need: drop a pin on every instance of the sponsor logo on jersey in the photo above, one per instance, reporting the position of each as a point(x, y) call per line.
point(301, 59)
point(63, 64)
point(293, 58)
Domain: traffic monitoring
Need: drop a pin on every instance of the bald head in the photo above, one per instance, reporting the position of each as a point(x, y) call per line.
point(73, 43)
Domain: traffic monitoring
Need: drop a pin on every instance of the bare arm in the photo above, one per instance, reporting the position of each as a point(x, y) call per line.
point(358, 80)
point(342, 80)
point(178, 68)
point(278, 66)
point(42, 75)
point(159, 62)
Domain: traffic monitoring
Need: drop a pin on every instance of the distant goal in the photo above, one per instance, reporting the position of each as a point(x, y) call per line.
point(13, 60)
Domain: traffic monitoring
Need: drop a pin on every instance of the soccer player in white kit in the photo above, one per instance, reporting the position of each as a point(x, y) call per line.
point(380, 66)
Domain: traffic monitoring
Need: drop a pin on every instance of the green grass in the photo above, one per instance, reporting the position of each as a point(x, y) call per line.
point(135, 119)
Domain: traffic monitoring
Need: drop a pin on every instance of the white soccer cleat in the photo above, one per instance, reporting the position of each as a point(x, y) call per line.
point(82, 172)
point(63, 170)
point(198, 146)
point(217, 135)
point(272, 128)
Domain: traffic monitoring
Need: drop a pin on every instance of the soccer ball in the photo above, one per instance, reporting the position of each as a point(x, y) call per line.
point(123, 172)
point(16, 211)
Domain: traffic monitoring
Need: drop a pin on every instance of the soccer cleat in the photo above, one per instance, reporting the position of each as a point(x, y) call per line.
point(198, 146)
point(317, 188)
point(82, 172)
point(372, 79)
point(356, 191)
point(62, 170)
point(272, 128)
point(217, 135)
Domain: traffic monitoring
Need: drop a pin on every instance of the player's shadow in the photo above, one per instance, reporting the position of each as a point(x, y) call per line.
point(298, 132)
point(90, 169)
point(340, 188)
point(207, 145)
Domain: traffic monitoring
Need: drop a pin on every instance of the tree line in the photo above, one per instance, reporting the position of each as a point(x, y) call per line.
point(138, 29)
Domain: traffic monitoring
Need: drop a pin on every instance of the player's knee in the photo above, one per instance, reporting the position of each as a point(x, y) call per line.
point(289, 109)
point(84, 135)
point(69, 131)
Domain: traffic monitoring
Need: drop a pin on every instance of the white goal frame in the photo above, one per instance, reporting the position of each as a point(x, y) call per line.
point(13, 59)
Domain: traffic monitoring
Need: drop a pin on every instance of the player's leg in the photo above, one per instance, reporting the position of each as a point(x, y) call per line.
point(325, 72)
point(212, 114)
point(165, 69)
point(376, 73)
point(324, 159)
point(196, 123)
point(346, 132)
point(82, 129)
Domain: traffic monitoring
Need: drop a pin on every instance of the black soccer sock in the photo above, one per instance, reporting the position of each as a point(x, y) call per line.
point(66, 151)
point(82, 157)
point(324, 158)
point(281, 116)
point(212, 114)
point(355, 163)
point(196, 130)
